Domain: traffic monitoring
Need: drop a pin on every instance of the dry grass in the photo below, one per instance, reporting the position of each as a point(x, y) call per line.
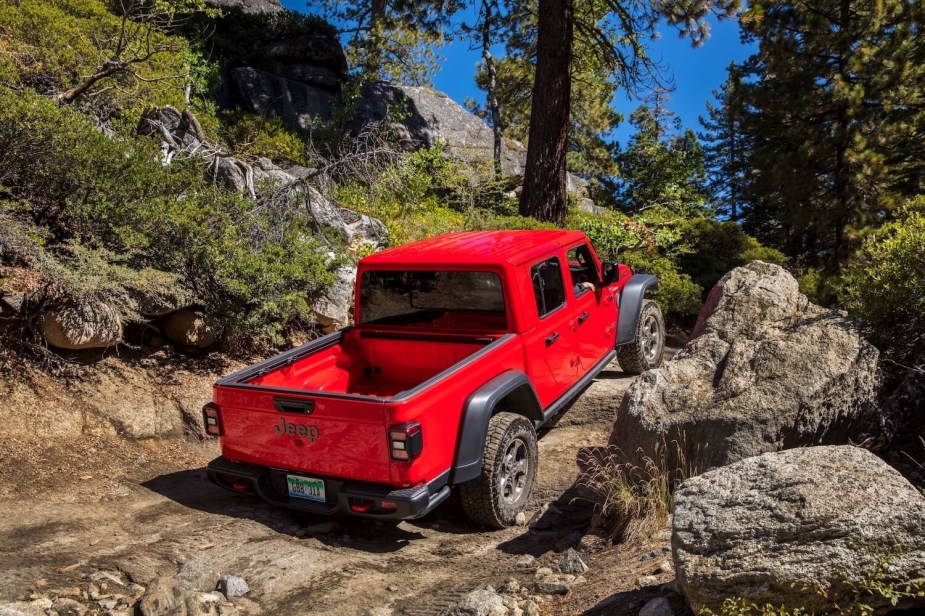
point(634, 501)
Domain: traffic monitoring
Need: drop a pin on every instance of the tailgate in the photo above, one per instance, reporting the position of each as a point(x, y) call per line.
point(335, 436)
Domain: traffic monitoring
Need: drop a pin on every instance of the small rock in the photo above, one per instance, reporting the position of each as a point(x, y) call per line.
point(646, 580)
point(140, 460)
point(69, 607)
point(161, 597)
point(510, 587)
point(657, 607)
point(232, 586)
point(579, 580)
point(479, 602)
point(571, 562)
point(108, 604)
point(197, 576)
point(542, 572)
point(520, 519)
point(592, 543)
point(554, 584)
point(207, 604)
point(663, 567)
point(392, 588)
point(530, 608)
point(71, 591)
point(524, 562)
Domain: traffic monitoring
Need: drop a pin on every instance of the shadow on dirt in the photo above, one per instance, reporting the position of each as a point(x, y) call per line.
point(191, 488)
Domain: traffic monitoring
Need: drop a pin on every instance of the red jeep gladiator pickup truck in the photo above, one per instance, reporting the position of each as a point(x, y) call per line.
point(464, 346)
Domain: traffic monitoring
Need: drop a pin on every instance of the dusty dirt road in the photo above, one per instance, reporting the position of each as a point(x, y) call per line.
point(72, 514)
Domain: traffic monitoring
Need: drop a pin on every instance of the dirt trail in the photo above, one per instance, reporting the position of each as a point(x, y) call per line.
point(143, 508)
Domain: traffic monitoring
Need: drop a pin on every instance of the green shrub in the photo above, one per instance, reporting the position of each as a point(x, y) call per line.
point(647, 243)
point(884, 284)
point(109, 217)
point(676, 293)
point(256, 135)
point(52, 45)
point(712, 248)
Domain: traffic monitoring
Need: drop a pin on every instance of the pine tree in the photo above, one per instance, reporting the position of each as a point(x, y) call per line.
point(394, 40)
point(662, 166)
point(834, 103)
point(726, 149)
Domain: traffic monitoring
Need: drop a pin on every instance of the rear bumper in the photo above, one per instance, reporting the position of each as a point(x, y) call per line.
point(270, 485)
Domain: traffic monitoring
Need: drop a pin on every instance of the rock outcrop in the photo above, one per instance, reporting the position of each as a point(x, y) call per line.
point(249, 6)
point(82, 325)
point(766, 370)
point(335, 309)
point(319, 50)
point(295, 103)
point(789, 528)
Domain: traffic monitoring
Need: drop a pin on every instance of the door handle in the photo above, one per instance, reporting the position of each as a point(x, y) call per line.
point(552, 338)
point(583, 317)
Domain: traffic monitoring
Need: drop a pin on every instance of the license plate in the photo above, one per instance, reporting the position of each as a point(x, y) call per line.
point(306, 487)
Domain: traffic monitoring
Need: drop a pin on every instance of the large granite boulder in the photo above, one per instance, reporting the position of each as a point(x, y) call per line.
point(82, 325)
point(320, 50)
point(791, 528)
point(432, 117)
point(188, 328)
point(766, 370)
point(293, 102)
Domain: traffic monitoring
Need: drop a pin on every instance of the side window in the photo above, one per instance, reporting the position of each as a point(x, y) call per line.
point(548, 287)
point(582, 269)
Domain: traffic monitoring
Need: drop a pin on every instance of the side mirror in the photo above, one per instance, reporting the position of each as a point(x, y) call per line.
point(610, 271)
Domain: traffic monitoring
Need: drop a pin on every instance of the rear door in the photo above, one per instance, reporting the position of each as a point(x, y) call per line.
point(552, 348)
point(594, 306)
point(336, 436)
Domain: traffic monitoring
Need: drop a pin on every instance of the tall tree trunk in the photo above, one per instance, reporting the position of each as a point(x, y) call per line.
point(492, 94)
point(543, 194)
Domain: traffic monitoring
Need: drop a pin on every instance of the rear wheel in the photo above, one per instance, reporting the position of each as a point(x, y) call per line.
point(648, 346)
point(509, 461)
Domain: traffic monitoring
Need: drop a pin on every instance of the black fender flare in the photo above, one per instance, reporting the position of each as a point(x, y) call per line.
point(480, 406)
point(631, 305)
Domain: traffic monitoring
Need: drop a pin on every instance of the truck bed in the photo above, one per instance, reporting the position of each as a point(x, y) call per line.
point(371, 363)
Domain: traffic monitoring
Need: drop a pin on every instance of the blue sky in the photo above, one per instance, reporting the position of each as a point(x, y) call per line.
point(696, 71)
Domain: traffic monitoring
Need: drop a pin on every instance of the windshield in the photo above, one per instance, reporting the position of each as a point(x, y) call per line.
point(406, 297)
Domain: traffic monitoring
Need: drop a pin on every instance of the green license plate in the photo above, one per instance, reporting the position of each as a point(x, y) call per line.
point(306, 487)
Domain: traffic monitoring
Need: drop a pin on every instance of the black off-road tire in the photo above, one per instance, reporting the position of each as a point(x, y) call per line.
point(648, 346)
point(502, 490)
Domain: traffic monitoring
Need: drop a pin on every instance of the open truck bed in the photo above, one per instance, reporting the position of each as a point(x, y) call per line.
point(370, 363)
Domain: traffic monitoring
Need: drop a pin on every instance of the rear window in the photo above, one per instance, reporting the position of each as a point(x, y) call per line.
point(408, 297)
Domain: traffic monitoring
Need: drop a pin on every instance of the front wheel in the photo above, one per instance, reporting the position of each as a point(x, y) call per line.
point(509, 461)
point(648, 346)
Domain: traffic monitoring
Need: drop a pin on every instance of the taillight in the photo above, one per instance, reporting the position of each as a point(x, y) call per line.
point(212, 419)
point(406, 441)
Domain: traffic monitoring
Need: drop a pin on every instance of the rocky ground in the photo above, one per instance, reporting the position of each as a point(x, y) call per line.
point(88, 524)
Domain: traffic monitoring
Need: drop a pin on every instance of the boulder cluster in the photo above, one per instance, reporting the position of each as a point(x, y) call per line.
point(762, 412)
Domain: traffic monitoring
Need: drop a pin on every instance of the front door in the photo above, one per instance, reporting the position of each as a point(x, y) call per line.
point(552, 349)
point(594, 306)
